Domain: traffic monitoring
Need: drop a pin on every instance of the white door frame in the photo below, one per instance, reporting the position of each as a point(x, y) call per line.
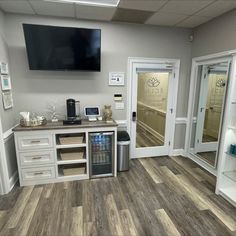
point(4, 175)
point(134, 61)
point(197, 61)
point(213, 145)
point(201, 109)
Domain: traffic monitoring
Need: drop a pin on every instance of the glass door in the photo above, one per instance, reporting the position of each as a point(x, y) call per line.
point(211, 97)
point(152, 110)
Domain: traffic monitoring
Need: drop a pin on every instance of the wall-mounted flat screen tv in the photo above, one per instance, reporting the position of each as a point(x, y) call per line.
point(62, 48)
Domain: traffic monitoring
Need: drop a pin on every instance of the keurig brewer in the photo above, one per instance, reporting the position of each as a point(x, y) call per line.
point(72, 118)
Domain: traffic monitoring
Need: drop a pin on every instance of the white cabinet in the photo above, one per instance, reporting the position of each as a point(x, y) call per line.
point(56, 155)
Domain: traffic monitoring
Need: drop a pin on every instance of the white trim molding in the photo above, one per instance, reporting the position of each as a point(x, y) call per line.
point(8, 134)
point(178, 152)
point(4, 174)
point(14, 178)
point(181, 120)
point(215, 55)
point(198, 61)
point(121, 123)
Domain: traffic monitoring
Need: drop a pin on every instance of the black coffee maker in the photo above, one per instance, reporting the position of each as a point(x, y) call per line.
point(72, 118)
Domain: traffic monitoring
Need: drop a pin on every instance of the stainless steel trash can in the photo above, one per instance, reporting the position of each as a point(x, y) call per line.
point(123, 152)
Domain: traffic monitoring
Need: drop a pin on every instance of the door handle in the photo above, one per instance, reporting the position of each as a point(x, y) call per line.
point(134, 116)
point(202, 108)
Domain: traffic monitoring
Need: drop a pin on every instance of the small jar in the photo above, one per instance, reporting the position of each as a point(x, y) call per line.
point(107, 113)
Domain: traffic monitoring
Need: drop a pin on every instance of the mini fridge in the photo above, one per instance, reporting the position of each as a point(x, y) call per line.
point(101, 153)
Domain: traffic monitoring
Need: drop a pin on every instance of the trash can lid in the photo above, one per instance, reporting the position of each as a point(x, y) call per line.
point(122, 136)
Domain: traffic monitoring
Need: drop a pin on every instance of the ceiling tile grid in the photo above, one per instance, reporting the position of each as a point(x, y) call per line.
point(94, 13)
point(165, 19)
point(132, 16)
point(16, 6)
point(146, 5)
point(180, 13)
point(53, 8)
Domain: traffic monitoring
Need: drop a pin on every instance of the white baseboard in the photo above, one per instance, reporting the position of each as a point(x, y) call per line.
point(13, 180)
point(122, 123)
point(178, 152)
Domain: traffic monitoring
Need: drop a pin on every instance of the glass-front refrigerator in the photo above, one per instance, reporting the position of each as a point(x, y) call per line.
point(101, 153)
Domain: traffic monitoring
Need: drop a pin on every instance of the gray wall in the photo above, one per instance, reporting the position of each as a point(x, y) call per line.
point(35, 90)
point(7, 116)
point(215, 36)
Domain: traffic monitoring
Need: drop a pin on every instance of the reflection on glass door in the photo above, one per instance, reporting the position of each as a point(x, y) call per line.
point(152, 94)
point(214, 105)
point(210, 110)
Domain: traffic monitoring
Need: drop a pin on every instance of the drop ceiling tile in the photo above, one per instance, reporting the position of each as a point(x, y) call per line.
point(217, 8)
point(165, 19)
point(187, 7)
point(94, 13)
point(16, 6)
point(132, 16)
point(144, 5)
point(193, 21)
point(53, 8)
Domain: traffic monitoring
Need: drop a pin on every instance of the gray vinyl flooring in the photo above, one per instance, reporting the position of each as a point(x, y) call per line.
point(158, 196)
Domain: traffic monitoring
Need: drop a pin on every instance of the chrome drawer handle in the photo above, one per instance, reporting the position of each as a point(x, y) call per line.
point(38, 173)
point(35, 141)
point(36, 158)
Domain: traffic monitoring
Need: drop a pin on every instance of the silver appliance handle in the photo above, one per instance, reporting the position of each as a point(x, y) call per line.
point(96, 134)
point(108, 133)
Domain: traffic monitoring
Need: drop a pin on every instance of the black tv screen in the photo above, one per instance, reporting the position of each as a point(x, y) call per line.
point(62, 48)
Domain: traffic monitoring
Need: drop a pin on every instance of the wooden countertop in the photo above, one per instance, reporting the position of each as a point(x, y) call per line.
point(59, 125)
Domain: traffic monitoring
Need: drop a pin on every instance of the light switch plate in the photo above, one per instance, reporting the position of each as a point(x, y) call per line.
point(119, 106)
point(118, 97)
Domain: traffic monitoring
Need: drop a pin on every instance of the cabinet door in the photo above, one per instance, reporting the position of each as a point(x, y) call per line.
point(101, 154)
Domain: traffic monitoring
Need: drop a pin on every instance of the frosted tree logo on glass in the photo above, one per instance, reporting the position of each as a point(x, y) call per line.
point(220, 83)
point(153, 82)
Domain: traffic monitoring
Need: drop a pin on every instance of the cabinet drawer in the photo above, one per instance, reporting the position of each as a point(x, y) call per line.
point(36, 158)
point(34, 142)
point(40, 173)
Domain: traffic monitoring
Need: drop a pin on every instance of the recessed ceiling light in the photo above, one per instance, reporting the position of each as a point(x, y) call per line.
point(102, 3)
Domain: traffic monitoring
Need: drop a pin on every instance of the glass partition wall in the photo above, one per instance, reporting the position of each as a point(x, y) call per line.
point(209, 97)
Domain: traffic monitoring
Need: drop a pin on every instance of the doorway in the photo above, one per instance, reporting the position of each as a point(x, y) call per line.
point(208, 102)
point(153, 93)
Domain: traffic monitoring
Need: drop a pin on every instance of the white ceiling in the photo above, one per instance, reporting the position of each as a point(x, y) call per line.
point(180, 13)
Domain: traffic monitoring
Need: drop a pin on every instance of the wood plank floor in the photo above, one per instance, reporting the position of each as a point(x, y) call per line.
point(158, 196)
